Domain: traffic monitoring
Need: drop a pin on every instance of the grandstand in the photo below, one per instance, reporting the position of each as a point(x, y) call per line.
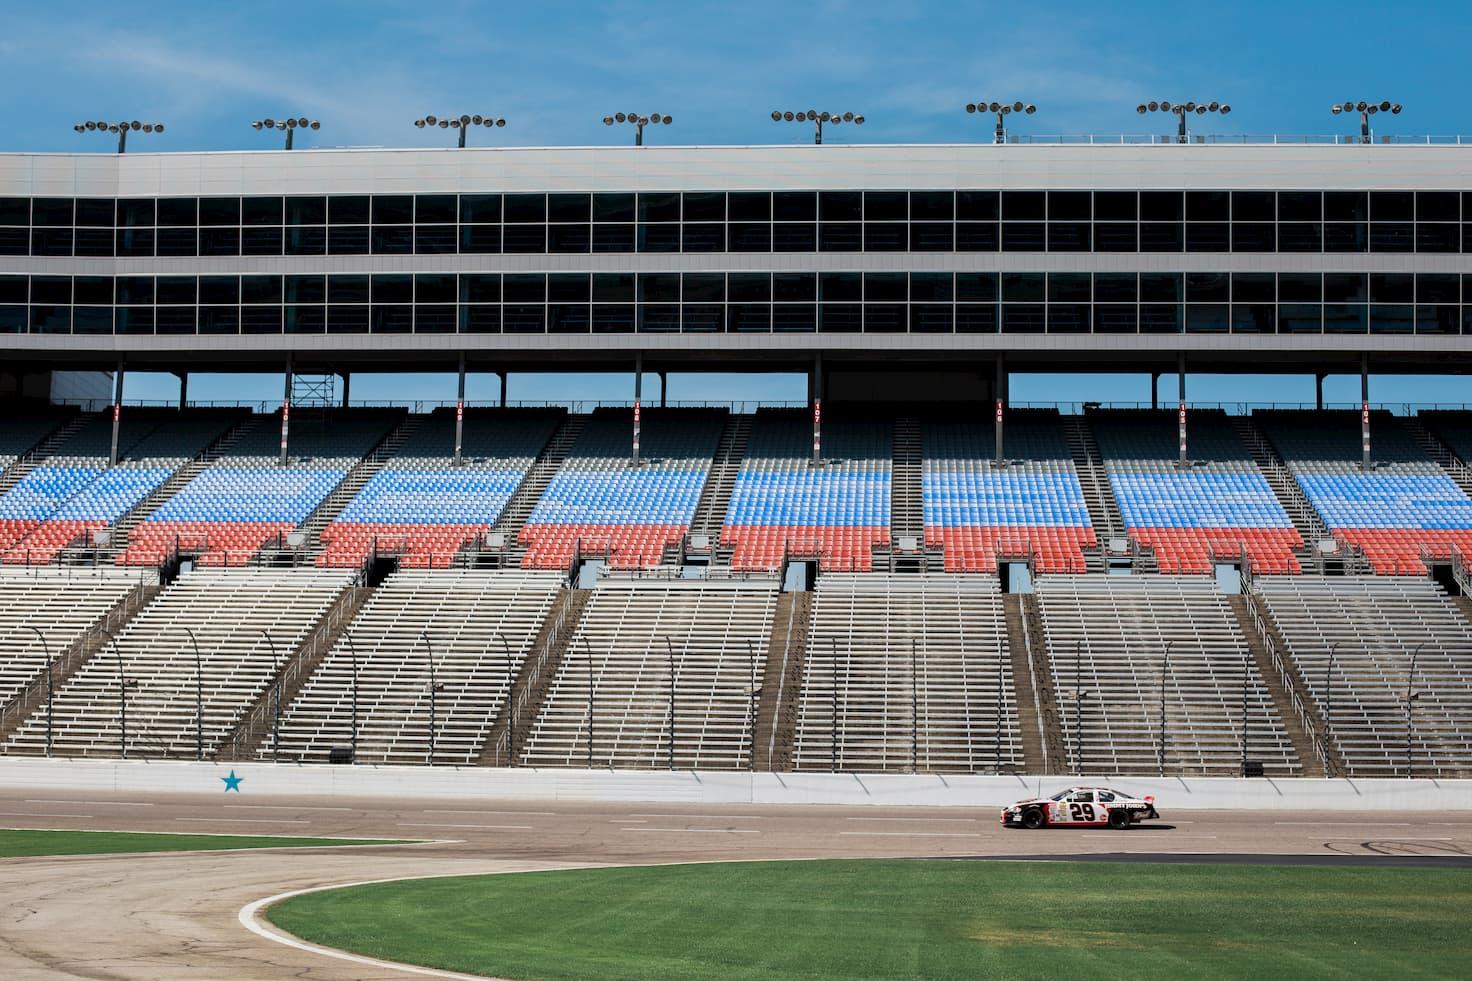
point(903, 572)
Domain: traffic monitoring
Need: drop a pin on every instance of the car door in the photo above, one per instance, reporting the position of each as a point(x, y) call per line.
point(1082, 809)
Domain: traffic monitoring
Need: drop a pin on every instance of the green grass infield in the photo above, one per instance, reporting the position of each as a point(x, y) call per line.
point(909, 919)
point(16, 843)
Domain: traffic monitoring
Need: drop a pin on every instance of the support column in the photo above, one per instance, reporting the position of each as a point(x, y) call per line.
point(817, 388)
point(664, 384)
point(1319, 391)
point(1181, 405)
point(1365, 412)
point(286, 413)
point(638, 394)
point(503, 388)
point(117, 413)
point(183, 377)
point(347, 387)
point(1155, 390)
point(1000, 391)
point(460, 412)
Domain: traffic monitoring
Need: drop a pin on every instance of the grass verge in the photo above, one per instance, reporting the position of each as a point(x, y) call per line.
point(17, 843)
point(909, 919)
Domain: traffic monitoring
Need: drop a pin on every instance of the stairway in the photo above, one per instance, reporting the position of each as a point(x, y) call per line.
point(71, 660)
point(906, 505)
point(29, 460)
point(534, 679)
point(774, 735)
point(1040, 731)
point(538, 476)
point(1104, 512)
point(181, 477)
point(1273, 680)
point(1454, 466)
point(326, 512)
point(256, 725)
point(715, 496)
point(1281, 480)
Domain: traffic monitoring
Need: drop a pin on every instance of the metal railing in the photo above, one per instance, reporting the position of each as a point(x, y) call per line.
point(560, 621)
point(423, 406)
point(1314, 724)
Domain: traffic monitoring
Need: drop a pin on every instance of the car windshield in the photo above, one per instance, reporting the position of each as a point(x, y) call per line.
point(1060, 795)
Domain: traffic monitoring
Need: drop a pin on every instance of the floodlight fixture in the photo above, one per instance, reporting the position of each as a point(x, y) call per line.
point(121, 128)
point(1001, 110)
point(461, 124)
point(1366, 110)
point(818, 119)
point(639, 121)
point(1182, 110)
point(289, 126)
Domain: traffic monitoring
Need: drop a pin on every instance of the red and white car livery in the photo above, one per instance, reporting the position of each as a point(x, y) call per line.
point(1080, 807)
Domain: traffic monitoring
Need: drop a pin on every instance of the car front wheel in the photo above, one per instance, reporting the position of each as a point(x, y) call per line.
point(1032, 818)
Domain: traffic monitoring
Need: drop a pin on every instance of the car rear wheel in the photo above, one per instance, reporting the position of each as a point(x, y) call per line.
point(1032, 818)
point(1119, 819)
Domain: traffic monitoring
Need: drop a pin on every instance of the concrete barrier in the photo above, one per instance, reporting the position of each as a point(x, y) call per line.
point(707, 787)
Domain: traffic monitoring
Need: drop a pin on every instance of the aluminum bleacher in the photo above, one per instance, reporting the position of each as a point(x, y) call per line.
point(61, 603)
point(1361, 646)
point(75, 491)
point(421, 506)
point(1151, 675)
point(477, 627)
point(597, 503)
point(1219, 506)
point(151, 675)
point(23, 427)
point(781, 504)
point(655, 661)
point(1405, 504)
point(1033, 507)
point(907, 673)
point(228, 511)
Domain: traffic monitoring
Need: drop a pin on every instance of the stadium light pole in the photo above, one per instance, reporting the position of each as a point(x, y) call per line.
point(1182, 110)
point(1001, 110)
point(353, 668)
point(276, 715)
point(121, 129)
point(122, 690)
point(638, 122)
point(434, 688)
point(289, 125)
point(50, 681)
point(198, 697)
point(818, 119)
point(461, 124)
point(510, 702)
point(669, 651)
point(1366, 110)
point(1411, 696)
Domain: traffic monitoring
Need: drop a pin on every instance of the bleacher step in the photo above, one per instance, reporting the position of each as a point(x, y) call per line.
point(32, 700)
point(775, 735)
point(906, 508)
point(715, 496)
point(1032, 678)
point(48, 445)
point(254, 729)
point(534, 679)
point(1104, 511)
point(1454, 467)
point(1310, 528)
point(538, 476)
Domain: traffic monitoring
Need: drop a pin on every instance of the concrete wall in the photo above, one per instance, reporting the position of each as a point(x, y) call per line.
point(264, 779)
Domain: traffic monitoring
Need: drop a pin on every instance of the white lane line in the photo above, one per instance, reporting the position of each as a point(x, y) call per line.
point(703, 817)
point(250, 918)
point(93, 803)
point(284, 807)
point(1346, 824)
point(482, 827)
point(627, 821)
point(699, 831)
point(925, 819)
point(908, 834)
point(252, 821)
point(547, 814)
point(41, 814)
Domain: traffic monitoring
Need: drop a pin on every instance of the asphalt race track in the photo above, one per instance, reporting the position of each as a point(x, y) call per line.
point(176, 915)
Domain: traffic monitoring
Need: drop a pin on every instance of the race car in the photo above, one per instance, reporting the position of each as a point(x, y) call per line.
point(1080, 807)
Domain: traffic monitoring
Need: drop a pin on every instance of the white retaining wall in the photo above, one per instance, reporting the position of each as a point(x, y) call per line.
point(684, 786)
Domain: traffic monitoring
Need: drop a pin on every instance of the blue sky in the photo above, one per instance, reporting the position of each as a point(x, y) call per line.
point(554, 68)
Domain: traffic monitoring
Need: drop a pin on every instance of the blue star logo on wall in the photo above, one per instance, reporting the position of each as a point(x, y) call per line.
point(232, 782)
